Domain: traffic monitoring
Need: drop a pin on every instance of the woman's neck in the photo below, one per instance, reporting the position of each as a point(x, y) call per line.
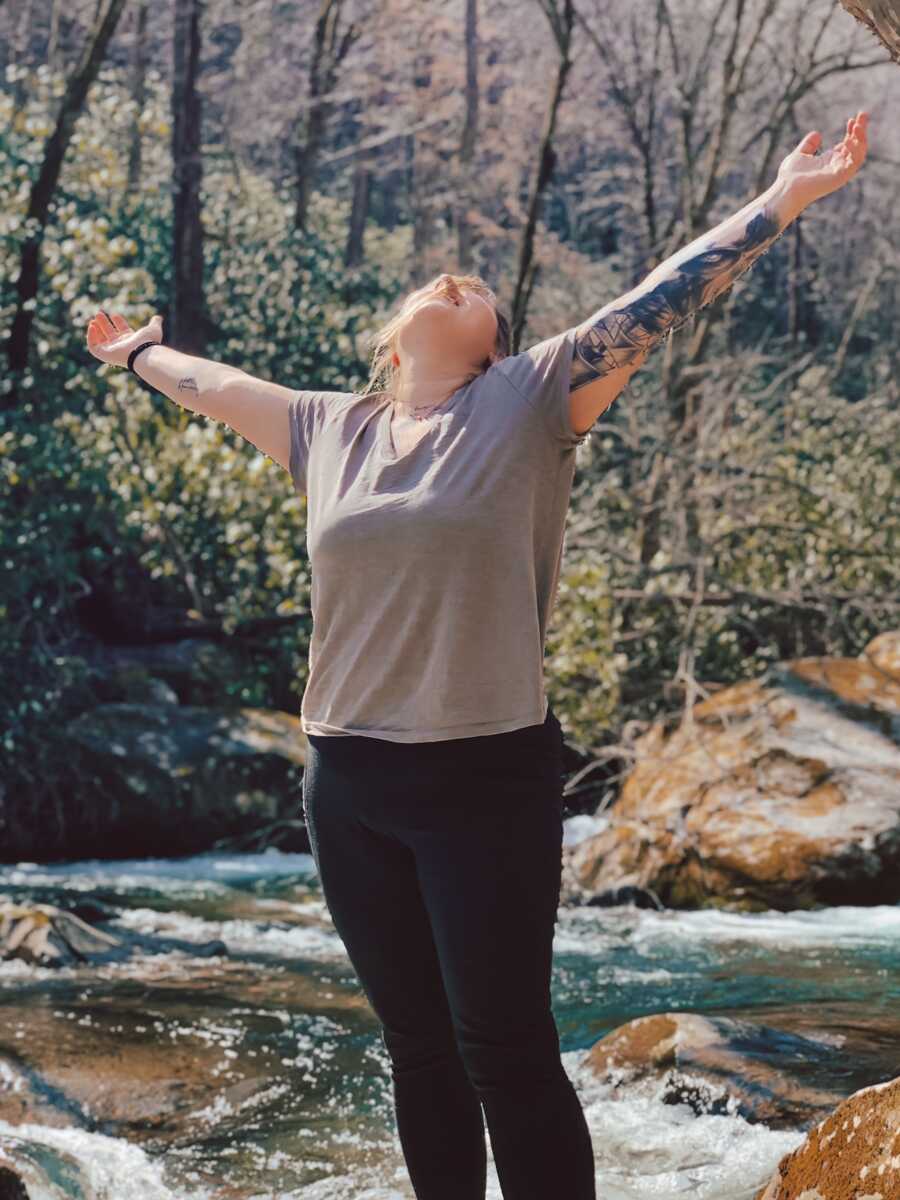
point(416, 393)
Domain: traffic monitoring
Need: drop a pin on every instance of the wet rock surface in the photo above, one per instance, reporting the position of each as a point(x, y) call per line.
point(773, 1073)
point(853, 1154)
point(146, 776)
point(782, 792)
point(46, 935)
point(259, 1066)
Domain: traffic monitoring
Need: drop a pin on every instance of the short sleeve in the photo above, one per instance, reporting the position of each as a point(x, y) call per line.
point(308, 414)
point(303, 417)
point(542, 375)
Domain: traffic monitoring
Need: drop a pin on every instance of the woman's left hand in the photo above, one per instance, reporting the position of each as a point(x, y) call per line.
point(809, 177)
point(111, 339)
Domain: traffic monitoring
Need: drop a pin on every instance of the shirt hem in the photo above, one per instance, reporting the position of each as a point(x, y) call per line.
point(445, 733)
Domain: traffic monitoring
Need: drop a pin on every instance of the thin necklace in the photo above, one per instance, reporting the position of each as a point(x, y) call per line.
point(420, 411)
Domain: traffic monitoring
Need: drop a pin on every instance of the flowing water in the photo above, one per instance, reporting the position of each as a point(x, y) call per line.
point(247, 1064)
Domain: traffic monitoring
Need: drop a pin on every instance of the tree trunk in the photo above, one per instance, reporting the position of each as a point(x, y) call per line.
point(138, 94)
point(420, 173)
point(882, 17)
point(187, 324)
point(330, 45)
point(561, 14)
point(20, 56)
point(354, 251)
point(469, 138)
point(42, 192)
point(54, 48)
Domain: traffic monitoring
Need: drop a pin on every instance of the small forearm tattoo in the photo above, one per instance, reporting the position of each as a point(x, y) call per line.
point(188, 384)
point(623, 336)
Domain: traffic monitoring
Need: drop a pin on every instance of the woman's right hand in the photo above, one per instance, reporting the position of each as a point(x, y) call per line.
point(809, 176)
point(111, 338)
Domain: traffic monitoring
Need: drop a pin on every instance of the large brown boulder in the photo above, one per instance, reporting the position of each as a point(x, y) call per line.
point(151, 779)
point(781, 792)
point(854, 1154)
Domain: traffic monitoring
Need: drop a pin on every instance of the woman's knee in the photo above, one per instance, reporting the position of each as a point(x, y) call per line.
point(516, 1055)
point(419, 1051)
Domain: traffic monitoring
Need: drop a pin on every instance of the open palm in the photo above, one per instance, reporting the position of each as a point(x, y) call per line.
point(810, 176)
point(111, 338)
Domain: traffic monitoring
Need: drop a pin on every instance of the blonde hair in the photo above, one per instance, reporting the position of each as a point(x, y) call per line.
point(383, 373)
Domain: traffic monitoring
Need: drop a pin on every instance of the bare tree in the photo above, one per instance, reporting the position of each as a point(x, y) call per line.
point(188, 323)
point(44, 187)
point(561, 15)
point(361, 186)
point(420, 171)
point(138, 92)
point(330, 46)
point(354, 250)
point(710, 76)
point(469, 138)
point(54, 47)
point(19, 41)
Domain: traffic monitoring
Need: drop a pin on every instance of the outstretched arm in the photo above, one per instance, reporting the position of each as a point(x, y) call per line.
point(254, 408)
point(612, 343)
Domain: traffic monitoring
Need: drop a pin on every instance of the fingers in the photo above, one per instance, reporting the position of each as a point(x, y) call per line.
point(106, 327)
point(99, 331)
point(106, 323)
point(857, 127)
point(857, 139)
point(95, 338)
point(851, 149)
point(810, 143)
point(117, 321)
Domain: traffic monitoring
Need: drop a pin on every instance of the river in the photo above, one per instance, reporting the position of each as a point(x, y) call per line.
point(252, 1069)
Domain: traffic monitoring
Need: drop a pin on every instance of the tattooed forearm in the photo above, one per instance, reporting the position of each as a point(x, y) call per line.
point(193, 382)
point(623, 333)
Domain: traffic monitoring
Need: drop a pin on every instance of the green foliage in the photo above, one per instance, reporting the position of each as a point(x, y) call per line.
point(778, 538)
point(105, 484)
point(583, 666)
point(785, 506)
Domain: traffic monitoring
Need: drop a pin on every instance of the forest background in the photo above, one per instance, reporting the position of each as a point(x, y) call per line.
point(273, 176)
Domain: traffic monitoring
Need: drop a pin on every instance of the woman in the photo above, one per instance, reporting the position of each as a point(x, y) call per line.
point(432, 790)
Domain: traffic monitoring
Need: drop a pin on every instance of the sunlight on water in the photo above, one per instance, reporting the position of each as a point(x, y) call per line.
point(289, 1096)
point(57, 1163)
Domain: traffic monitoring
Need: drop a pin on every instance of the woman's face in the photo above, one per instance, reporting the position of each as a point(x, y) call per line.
point(453, 325)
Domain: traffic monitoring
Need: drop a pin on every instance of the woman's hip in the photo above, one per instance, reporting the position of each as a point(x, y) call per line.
point(457, 781)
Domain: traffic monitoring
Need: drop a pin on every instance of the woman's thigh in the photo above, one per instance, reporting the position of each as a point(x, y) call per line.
point(370, 886)
point(489, 867)
point(440, 864)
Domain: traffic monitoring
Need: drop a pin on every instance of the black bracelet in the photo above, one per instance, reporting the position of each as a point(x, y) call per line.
point(133, 355)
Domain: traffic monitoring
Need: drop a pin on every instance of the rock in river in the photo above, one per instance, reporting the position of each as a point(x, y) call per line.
point(854, 1154)
point(777, 793)
point(149, 777)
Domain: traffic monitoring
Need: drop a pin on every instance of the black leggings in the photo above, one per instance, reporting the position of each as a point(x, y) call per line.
point(440, 864)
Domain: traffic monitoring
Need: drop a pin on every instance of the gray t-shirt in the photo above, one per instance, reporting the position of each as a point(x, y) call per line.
point(434, 571)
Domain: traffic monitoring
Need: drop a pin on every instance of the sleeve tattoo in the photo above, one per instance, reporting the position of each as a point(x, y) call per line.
point(623, 334)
